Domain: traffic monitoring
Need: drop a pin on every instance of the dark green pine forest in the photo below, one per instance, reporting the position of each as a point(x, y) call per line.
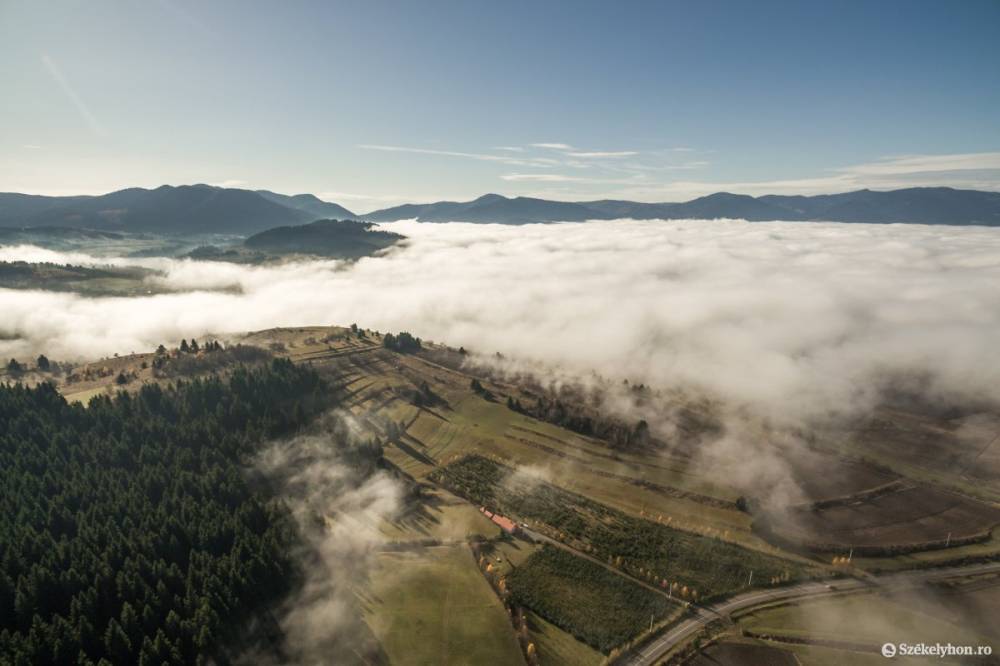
point(129, 533)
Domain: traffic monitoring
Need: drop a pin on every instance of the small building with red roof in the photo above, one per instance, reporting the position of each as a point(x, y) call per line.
point(506, 524)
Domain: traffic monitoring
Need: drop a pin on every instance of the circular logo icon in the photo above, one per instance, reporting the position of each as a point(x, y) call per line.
point(889, 650)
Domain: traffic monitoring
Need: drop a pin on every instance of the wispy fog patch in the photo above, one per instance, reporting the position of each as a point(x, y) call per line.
point(36, 254)
point(525, 478)
point(789, 320)
point(338, 511)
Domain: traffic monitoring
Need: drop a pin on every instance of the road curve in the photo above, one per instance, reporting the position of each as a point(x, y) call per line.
point(674, 634)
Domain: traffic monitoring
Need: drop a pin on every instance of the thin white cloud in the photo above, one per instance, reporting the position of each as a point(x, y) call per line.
point(960, 170)
point(564, 178)
point(540, 178)
point(697, 164)
point(907, 164)
point(602, 154)
point(431, 151)
point(978, 171)
point(355, 196)
point(484, 157)
point(70, 92)
point(32, 146)
point(554, 155)
point(624, 175)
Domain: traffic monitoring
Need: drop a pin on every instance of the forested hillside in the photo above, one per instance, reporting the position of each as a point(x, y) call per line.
point(128, 533)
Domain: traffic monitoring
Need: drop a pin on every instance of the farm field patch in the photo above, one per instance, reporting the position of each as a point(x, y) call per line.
point(910, 517)
point(432, 606)
point(826, 477)
point(960, 451)
point(597, 606)
point(988, 548)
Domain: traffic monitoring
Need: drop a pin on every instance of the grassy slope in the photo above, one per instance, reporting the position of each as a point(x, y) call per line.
point(473, 425)
point(433, 606)
point(442, 516)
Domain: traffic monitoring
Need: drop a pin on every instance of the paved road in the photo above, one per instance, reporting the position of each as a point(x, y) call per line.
point(674, 634)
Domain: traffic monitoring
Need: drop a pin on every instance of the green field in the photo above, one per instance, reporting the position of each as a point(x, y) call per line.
point(597, 606)
point(439, 515)
point(433, 606)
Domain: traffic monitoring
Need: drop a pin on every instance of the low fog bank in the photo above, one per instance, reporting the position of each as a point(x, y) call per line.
point(338, 507)
point(786, 320)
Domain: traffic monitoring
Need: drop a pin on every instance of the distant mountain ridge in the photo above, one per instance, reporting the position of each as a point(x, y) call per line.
point(184, 209)
point(310, 204)
point(489, 208)
point(198, 209)
point(918, 205)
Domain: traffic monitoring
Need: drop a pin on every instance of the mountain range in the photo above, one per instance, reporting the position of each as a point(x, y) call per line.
point(186, 209)
point(919, 205)
point(195, 209)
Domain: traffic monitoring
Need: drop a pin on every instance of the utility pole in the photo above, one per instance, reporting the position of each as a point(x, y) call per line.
point(850, 555)
point(948, 542)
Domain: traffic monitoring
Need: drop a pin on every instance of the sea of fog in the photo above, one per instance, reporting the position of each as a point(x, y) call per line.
point(786, 318)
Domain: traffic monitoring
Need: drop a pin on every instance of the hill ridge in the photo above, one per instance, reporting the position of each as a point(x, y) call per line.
point(920, 205)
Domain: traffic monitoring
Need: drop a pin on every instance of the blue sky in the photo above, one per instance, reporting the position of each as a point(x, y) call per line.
point(375, 103)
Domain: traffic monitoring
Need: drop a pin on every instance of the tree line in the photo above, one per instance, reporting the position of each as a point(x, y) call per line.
point(404, 342)
point(615, 431)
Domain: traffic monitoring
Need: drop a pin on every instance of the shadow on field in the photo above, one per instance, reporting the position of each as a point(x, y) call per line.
point(412, 452)
point(422, 515)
